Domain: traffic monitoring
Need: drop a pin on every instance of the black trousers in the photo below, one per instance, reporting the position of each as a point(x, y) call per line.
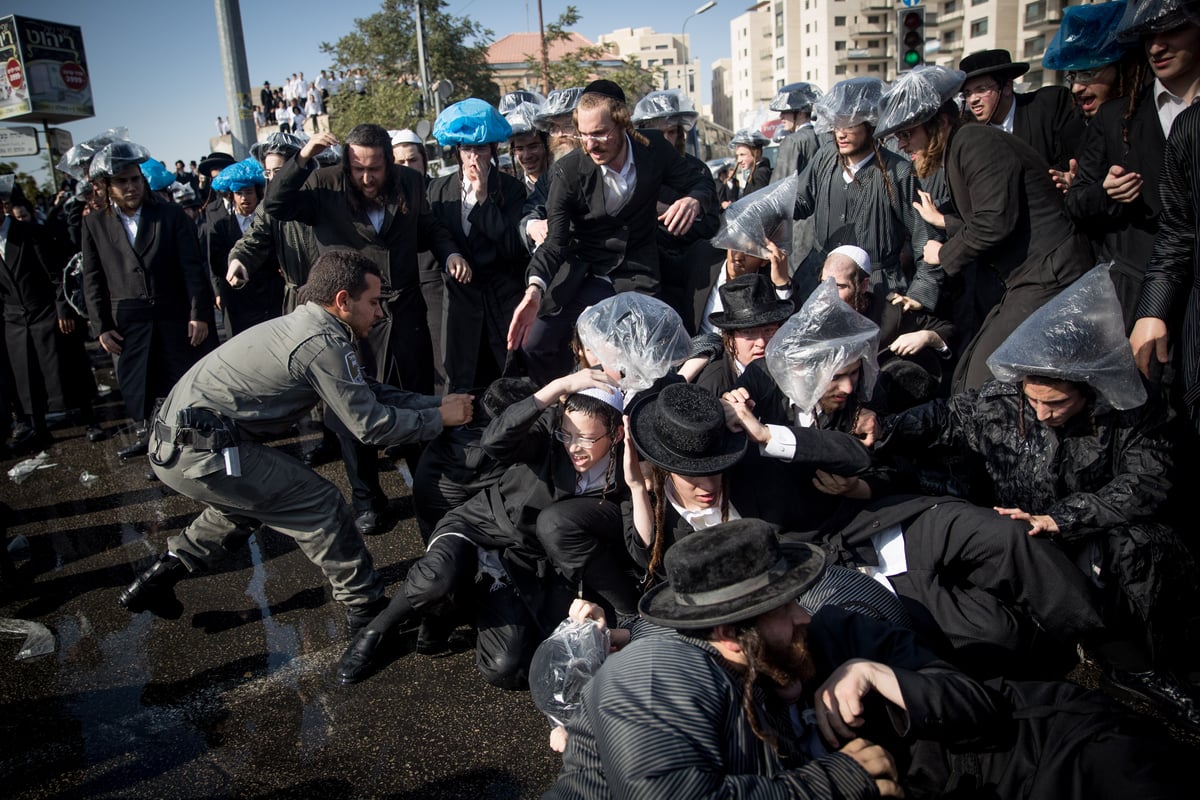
point(983, 579)
point(445, 577)
point(585, 540)
point(547, 349)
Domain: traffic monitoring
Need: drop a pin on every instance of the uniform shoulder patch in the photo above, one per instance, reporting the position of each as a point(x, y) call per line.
point(353, 368)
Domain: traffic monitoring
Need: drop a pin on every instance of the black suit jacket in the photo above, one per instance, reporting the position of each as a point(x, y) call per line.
point(494, 243)
point(31, 273)
point(320, 198)
point(161, 276)
point(1048, 121)
point(584, 239)
point(1122, 232)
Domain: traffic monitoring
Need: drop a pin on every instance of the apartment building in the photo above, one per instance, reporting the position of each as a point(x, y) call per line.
point(663, 55)
point(722, 93)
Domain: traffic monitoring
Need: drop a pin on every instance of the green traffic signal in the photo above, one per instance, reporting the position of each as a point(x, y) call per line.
point(912, 58)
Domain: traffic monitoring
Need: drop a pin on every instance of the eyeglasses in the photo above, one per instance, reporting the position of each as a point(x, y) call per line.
point(597, 138)
point(562, 130)
point(583, 441)
point(979, 91)
point(1084, 76)
point(903, 136)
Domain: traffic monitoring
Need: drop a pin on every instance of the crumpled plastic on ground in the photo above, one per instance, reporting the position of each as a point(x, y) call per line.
point(638, 336)
point(1079, 335)
point(562, 666)
point(821, 338)
point(88, 478)
point(23, 469)
point(762, 216)
point(39, 641)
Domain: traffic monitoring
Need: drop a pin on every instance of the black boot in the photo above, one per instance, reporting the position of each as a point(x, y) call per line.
point(360, 658)
point(154, 589)
point(434, 636)
point(359, 617)
point(1161, 689)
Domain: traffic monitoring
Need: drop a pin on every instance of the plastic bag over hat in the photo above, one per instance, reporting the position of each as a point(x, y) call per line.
point(1079, 336)
point(329, 156)
point(562, 666)
point(849, 103)
point(278, 143)
point(762, 216)
point(1156, 16)
point(796, 97)
point(824, 336)
point(915, 97)
point(522, 118)
point(512, 100)
point(638, 336)
point(157, 175)
point(558, 103)
point(750, 137)
point(1087, 37)
point(669, 104)
point(242, 175)
point(184, 195)
point(470, 121)
point(75, 162)
point(115, 157)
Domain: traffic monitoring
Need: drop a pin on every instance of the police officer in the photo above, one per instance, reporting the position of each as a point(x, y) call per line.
point(205, 441)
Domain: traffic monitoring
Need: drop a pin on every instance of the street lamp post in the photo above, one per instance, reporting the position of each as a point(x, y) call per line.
point(687, 61)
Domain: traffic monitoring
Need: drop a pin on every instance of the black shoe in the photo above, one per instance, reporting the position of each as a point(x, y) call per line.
point(1162, 690)
point(154, 589)
point(95, 433)
point(323, 453)
point(434, 636)
point(360, 657)
point(367, 522)
point(135, 450)
point(359, 617)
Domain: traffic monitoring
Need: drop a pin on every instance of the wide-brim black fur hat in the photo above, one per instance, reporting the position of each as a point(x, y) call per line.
point(682, 430)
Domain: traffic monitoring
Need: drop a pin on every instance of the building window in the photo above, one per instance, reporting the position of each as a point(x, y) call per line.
point(872, 20)
point(839, 22)
point(979, 27)
point(1035, 47)
point(949, 7)
point(807, 29)
point(779, 63)
point(839, 46)
point(1034, 79)
point(1035, 12)
point(978, 2)
point(872, 68)
point(779, 39)
point(951, 35)
point(661, 46)
point(872, 44)
point(668, 62)
point(840, 69)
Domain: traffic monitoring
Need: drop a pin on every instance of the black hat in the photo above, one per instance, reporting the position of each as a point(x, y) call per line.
point(606, 88)
point(731, 572)
point(992, 62)
point(682, 429)
point(749, 301)
point(215, 160)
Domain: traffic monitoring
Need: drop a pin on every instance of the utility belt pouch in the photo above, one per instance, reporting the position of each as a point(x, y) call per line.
point(204, 430)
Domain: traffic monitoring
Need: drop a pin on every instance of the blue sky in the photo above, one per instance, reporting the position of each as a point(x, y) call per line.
point(155, 64)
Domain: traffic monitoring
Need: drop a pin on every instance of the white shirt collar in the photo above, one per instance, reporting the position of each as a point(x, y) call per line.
point(1007, 124)
point(618, 186)
point(699, 519)
point(595, 477)
point(849, 171)
point(1169, 106)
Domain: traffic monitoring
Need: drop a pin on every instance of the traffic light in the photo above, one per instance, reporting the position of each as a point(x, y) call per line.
point(910, 38)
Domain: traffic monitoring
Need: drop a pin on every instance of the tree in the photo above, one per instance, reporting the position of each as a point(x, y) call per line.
point(583, 65)
point(385, 45)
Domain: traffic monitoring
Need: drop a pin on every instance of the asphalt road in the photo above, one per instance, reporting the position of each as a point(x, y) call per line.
point(237, 697)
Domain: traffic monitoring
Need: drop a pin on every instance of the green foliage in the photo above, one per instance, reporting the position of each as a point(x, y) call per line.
point(584, 65)
point(387, 103)
point(385, 45)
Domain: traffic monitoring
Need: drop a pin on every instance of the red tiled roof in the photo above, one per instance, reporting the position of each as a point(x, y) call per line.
point(515, 48)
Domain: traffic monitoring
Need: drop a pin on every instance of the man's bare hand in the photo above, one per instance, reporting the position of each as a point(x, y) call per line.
point(524, 315)
point(1122, 185)
point(1149, 339)
point(66, 325)
point(680, 216)
point(457, 409)
point(932, 253)
point(458, 268)
point(237, 275)
point(907, 344)
point(866, 427)
point(319, 143)
point(878, 763)
point(929, 210)
point(197, 332)
point(905, 303)
point(111, 342)
point(537, 230)
point(828, 483)
point(739, 415)
point(1064, 178)
point(1038, 523)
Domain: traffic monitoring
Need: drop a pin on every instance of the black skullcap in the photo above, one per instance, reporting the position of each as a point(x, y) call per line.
point(606, 88)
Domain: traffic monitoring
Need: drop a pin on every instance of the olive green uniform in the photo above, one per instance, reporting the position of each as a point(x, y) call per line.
point(258, 384)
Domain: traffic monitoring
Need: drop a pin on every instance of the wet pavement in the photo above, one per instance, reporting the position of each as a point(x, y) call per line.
point(237, 697)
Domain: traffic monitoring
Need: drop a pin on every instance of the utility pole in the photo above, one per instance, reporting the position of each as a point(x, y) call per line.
point(426, 90)
point(545, 52)
point(237, 76)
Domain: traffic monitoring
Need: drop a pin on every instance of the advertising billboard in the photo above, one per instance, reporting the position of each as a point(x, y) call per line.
point(45, 72)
